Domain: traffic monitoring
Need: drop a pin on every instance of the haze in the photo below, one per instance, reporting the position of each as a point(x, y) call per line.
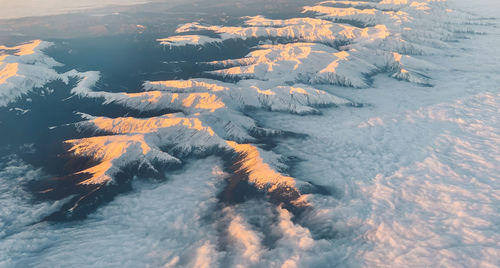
point(29, 8)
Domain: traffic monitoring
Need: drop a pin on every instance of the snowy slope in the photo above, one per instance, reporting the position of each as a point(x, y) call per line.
point(211, 119)
point(25, 67)
point(376, 37)
point(275, 77)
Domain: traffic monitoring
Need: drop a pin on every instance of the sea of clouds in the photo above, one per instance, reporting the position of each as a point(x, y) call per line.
point(409, 178)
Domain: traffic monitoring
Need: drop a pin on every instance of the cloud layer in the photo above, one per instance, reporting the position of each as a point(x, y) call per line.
point(408, 179)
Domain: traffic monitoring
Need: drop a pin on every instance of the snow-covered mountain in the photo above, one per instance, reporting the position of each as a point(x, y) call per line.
point(348, 198)
point(341, 43)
